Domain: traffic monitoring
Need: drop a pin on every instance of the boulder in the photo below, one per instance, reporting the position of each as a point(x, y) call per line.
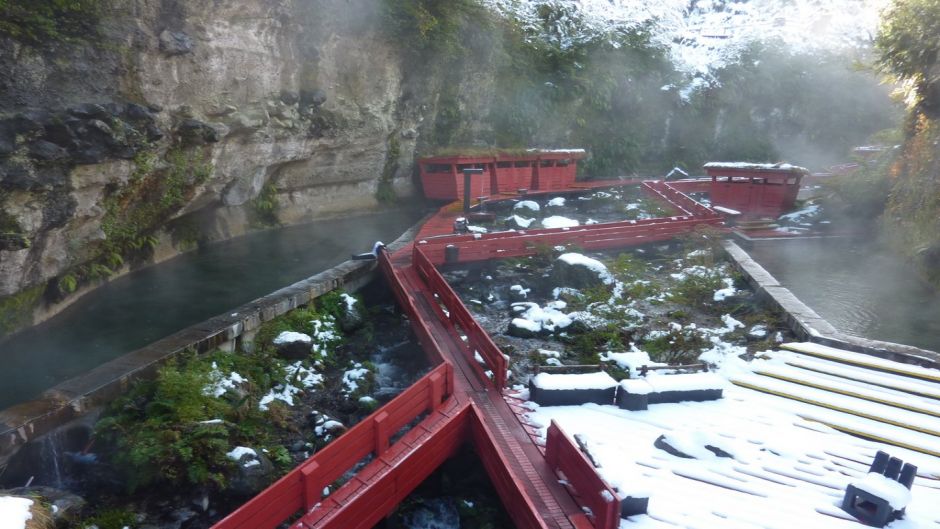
point(351, 317)
point(290, 97)
point(521, 328)
point(526, 208)
point(31, 122)
point(89, 111)
point(66, 507)
point(574, 270)
point(293, 345)
point(138, 113)
point(518, 222)
point(176, 43)
point(7, 138)
point(47, 151)
point(254, 472)
point(315, 97)
point(195, 132)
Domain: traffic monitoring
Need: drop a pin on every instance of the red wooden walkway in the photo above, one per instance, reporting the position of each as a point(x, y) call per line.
point(461, 400)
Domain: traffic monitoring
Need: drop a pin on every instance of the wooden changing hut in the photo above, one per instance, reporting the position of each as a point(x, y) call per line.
point(535, 169)
point(754, 190)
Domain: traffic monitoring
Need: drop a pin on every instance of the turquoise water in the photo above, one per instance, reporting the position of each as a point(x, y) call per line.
point(146, 305)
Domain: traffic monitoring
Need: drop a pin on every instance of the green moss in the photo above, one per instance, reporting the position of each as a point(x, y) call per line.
point(385, 191)
point(431, 26)
point(111, 519)
point(263, 208)
point(135, 213)
point(40, 21)
point(16, 311)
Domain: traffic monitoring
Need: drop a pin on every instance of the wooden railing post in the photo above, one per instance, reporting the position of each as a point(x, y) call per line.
point(380, 432)
point(436, 389)
point(313, 489)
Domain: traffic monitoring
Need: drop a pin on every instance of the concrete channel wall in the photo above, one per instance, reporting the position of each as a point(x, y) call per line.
point(812, 327)
point(85, 394)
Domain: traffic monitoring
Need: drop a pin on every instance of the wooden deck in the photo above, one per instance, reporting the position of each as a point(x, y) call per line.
point(461, 400)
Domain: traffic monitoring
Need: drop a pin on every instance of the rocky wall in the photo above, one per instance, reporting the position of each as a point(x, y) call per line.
point(185, 122)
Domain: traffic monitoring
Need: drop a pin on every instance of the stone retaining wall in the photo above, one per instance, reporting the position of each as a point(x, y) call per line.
point(810, 326)
point(79, 396)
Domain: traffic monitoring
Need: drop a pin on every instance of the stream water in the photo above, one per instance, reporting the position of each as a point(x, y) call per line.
point(151, 303)
point(859, 286)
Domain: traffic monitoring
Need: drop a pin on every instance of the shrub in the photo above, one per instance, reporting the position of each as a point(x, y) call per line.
point(38, 21)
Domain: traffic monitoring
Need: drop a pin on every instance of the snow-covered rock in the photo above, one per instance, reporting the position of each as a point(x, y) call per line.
point(574, 270)
point(293, 345)
point(558, 221)
point(526, 207)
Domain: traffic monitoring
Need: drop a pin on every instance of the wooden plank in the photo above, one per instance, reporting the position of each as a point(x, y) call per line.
point(797, 376)
point(867, 361)
point(861, 374)
point(843, 404)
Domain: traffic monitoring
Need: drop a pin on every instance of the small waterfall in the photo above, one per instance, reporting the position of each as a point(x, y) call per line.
point(50, 471)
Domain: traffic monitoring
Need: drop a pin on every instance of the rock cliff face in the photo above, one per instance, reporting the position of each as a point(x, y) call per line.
point(190, 121)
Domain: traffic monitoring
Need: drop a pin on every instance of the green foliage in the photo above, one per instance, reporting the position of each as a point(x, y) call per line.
point(676, 346)
point(697, 290)
point(264, 207)
point(134, 213)
point(908, 44)
point(159, 434)
point(16, 311)
point(865, 192)
point(68, 283)
point(385, 192)
point(111, 519)
point(431, 25)
point(40, 21)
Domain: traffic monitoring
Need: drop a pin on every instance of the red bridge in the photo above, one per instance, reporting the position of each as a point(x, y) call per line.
point(462, 400)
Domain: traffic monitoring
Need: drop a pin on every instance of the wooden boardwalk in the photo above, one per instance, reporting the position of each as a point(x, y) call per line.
point(461, 401)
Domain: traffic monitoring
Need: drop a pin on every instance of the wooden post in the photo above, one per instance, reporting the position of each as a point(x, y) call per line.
point(380, 432)
point(436, 387)
point(313, 489)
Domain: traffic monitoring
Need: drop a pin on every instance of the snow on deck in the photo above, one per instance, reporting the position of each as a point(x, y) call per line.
point(14, 512)
point(788, 468)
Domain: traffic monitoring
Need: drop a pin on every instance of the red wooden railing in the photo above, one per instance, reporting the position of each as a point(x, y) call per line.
point(421, 328)
point(681, 201)
point(497, 467)
point(364, 504)
point(302, 488)
point(588, 238)
point(478, 341)
point(593, 492)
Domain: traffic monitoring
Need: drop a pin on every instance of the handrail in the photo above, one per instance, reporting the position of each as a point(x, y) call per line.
point(596, 238)
point(302, 488)
point(593, 492)
point(478, 340)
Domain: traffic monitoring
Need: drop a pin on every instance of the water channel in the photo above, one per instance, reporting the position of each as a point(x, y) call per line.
point(148, 304)
point(859, 285)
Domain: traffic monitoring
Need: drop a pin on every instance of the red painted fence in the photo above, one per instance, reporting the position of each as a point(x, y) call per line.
point(478, 341)
point(686, 204)
point(566, 458)
point(303, 487)
point(596, 237)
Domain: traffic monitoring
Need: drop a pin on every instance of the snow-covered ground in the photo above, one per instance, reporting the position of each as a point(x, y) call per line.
point(14, 512)
point(787, 468)
point(706, 34)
